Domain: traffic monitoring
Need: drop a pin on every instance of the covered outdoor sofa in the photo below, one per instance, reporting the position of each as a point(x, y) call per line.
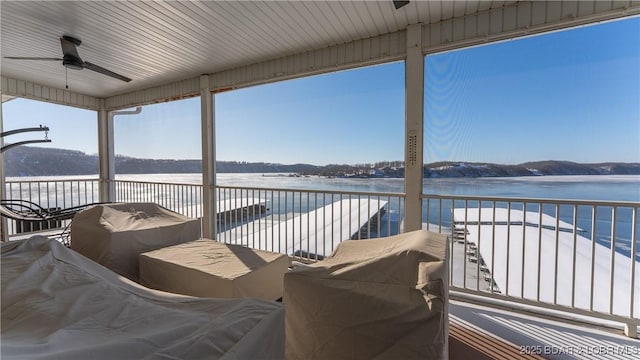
point(58, 304)
point(115, 234)
point(383, 298)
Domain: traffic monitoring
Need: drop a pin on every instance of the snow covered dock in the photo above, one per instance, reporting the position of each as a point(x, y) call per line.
point(316, 232)
point(525, 261)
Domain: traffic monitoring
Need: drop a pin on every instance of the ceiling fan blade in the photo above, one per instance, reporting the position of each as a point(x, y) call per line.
point(31, 58)
point(69, 48)
point(101, 70)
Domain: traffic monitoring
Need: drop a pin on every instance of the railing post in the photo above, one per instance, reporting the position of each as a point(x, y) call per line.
point(208, 160)
point(414, 129)
point(631, 330)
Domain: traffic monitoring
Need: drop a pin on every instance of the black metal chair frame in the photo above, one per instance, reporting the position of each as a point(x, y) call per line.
point(29, 211)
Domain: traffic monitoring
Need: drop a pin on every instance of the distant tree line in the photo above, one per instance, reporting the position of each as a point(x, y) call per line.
point(36, 161)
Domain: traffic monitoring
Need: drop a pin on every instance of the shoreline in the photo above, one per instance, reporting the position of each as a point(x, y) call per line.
point(280, 175)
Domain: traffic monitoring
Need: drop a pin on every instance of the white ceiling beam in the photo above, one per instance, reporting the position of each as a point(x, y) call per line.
point(519, 20)
point(29, 90)
point(379, 49)
point(173, 91)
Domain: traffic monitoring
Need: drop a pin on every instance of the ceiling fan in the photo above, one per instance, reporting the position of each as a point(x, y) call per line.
point(72, 60)
point(399, 3)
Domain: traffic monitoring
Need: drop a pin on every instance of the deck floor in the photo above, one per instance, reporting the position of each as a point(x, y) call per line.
point(479, 332)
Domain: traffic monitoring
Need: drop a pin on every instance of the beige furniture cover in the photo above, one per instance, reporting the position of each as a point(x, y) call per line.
point(384, 299)
point(57, 304)
point(208, 268)
point(114, 235)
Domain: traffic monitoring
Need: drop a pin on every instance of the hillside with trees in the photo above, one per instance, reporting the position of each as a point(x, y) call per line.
point(36, 161)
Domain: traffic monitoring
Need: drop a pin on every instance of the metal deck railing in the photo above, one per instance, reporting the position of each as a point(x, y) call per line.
point(53, 195)
point(578, 257)
point(575, 256)
point(306, 224)
point(185, 199)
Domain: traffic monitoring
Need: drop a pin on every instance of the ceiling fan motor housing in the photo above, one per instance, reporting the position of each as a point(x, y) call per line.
point(72, 62)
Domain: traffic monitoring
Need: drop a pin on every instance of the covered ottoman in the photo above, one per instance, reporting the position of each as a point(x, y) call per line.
point(208, 268)
point(385, 299)
point(114, 235)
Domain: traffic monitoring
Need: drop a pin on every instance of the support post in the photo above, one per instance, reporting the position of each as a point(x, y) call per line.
point(106, 151)
point(4, 231)
point(106, 155)
point(414, 129)
point(208, 160)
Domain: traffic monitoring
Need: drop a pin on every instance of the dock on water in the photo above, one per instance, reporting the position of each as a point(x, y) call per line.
point(534, 256)
point(232, 210)
point(314, 234)
point(240, 209)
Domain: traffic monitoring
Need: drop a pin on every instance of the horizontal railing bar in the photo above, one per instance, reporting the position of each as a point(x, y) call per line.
point(228, 187)
point(49, 181)
point(499, 301)
point(534, 200)
point(153, 183)
point(423, 196)
point(336, 192)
